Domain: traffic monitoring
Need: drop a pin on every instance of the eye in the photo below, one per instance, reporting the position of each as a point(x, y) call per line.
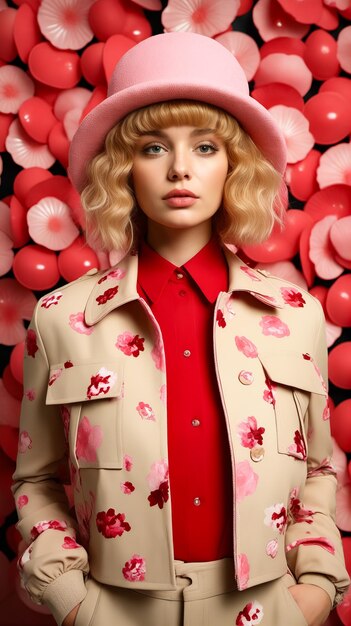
point(153, 149)
point(207, 148)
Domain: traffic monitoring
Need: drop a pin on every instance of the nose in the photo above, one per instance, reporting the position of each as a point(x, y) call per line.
point(180, 167)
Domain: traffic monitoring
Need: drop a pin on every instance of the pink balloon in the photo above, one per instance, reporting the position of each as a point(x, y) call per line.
point(26, 31)
point(16, 362)
point(340, 365)
point(338, 301)
point(321, 55)
point(57, 68)
point(35, 267)
point(340, 236)
point(6, 120)
point(277, 93)
point(340, 425)
point(329, 117)
point(37, 118)
point(91, 62)
point(303, 181)
point(76, 260)
point(57, 187)
point(8, 51)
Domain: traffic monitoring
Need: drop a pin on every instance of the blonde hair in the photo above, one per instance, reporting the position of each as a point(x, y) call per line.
point(251, 196)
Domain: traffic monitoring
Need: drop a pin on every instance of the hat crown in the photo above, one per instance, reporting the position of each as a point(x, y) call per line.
point(179, 58)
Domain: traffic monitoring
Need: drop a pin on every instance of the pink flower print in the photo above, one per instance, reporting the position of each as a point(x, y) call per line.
point(47, 302)
point(117, 274)
point(89, 438)
point(272, 325)
point(135, 569)
point(250, 272)
point(30, 394)
point(322, 542)
point(31, 342)
point(77, 323)
point(65, 415)
point(127, 462)
point(158, 483)
point(246, 346)
point(252, 613)
point(276, 517)
point(44, 525)
point(22, 501)
point(101, 383)
point(297, 511)
point(24, 442)
point(298, 448)
point(325, 467)
point(220, 319)
point(292, 296)
point(326, 412)
point(243, 570)
point(127, 488)
point(130, 344)
point(250, 434)
point(107, 295)
point(158, 354)
point(163, 393)
point(264, 298)
point(145, 411)
point(111, 524)
point(25, 557)
point(268, 394)
point(69, 543)
point(55, 375)
point(245, 480)
point(272, 548)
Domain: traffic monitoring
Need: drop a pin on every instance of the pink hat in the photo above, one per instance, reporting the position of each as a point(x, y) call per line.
point(171, 66)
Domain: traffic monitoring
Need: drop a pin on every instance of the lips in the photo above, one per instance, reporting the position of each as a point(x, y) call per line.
point(180, 193)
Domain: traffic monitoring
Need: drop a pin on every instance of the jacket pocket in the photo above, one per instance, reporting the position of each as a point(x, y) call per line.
point(92, 396)
point(293, 379)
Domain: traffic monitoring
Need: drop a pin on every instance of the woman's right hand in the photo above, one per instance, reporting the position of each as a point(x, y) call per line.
point(71, 616)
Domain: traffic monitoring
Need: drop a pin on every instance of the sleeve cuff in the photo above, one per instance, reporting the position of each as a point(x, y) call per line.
point(320, 581)
point(64, 593)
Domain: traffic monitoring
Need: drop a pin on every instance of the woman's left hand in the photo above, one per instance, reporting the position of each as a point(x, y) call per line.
point(313, 601)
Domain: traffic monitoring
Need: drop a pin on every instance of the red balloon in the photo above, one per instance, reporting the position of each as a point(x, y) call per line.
point(321, 55)
point(58, 144)
point(26, 31)
point(245, 6)
point(338, 84)
point(35, 267)
point(19, 226)
point(320, 292)
point(333, 200)
point(106, 18)
point(339, 301)
point(26, 179)
point(115, 47)
point(339, 361)
point(286, 45)
point(6, 120)
point(9, 441)
point(8, 51)
point(308, 268)
point(11, 384)
point(98, 95)
point(37, 118)
point(303, 181)
point(16, 362)
point(340, 424)
point(329, 117)
point(91, 62)
point(77, 260)
point(135, 25)
point(277, 93)
point(57, 68)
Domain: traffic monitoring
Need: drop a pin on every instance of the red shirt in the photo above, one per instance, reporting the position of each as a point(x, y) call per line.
point(183, 301)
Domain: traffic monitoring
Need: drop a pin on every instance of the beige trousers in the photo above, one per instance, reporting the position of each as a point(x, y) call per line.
point(205, 596)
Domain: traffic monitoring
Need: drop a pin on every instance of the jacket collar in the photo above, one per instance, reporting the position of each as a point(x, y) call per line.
point(118, 285)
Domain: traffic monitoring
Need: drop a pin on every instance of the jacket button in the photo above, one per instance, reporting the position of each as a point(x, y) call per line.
point(257, 454)
point(245, 377)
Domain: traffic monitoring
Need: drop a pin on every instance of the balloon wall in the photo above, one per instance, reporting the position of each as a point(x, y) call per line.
point(55, 59)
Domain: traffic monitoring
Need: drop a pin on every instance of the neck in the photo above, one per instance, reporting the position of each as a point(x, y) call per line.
point(178, 245)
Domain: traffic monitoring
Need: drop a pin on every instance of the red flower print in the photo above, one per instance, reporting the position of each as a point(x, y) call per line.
point(250, 434)
point(268, 394)
point(145, 411)
point(158, 483)
point(159, 496)
point(297, 511)
point(50, 300)
point(127, 487)
point(220, 319)
point(325, 467)
point(65, 416)
point(40, 527)
point(273, 326)
point(134, 569)
point(252, 613)
point(22, 501)
point(322, 542)
point(246, 346)
point(130, 344)
point(84, 512)
point(30, 394)
point(76, 322)
point(118, 274)
point(55, 374)
point(89, 438)
point(70, 543)
point(31, 343)
point(111, 524)
point(292, 296)
point(107, 295)
point(127, 462)
point(101, 383)
point(298, 448)
point(276, 517)
point(68, 364)
point(24, 441)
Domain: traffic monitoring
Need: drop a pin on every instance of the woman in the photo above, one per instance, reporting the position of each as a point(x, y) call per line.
point(186, 389)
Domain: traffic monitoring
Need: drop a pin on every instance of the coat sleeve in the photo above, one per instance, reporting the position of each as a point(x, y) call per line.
point(313, 542)
point(53, 566)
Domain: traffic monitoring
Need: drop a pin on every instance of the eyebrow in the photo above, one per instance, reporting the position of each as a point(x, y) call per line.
point(194, 133)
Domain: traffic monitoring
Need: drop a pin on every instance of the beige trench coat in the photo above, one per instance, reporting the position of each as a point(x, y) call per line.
point(95, 393)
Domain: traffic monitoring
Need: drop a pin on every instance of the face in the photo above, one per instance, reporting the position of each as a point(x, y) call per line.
point(178, 175)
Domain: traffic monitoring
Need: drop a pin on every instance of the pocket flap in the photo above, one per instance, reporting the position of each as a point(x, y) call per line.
point(83, 381)
point(293, 370)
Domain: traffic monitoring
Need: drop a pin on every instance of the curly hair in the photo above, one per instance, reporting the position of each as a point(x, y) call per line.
point(252, 195)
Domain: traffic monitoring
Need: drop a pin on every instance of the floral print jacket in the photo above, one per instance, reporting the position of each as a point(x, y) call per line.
point(95, 403)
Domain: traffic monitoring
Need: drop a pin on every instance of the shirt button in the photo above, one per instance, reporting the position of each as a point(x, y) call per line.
point(195, 422)
point(257, 454)
point(182, 292)
point(179, 275)
point(197, 501)
point(245, 377)
point(187, 353)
